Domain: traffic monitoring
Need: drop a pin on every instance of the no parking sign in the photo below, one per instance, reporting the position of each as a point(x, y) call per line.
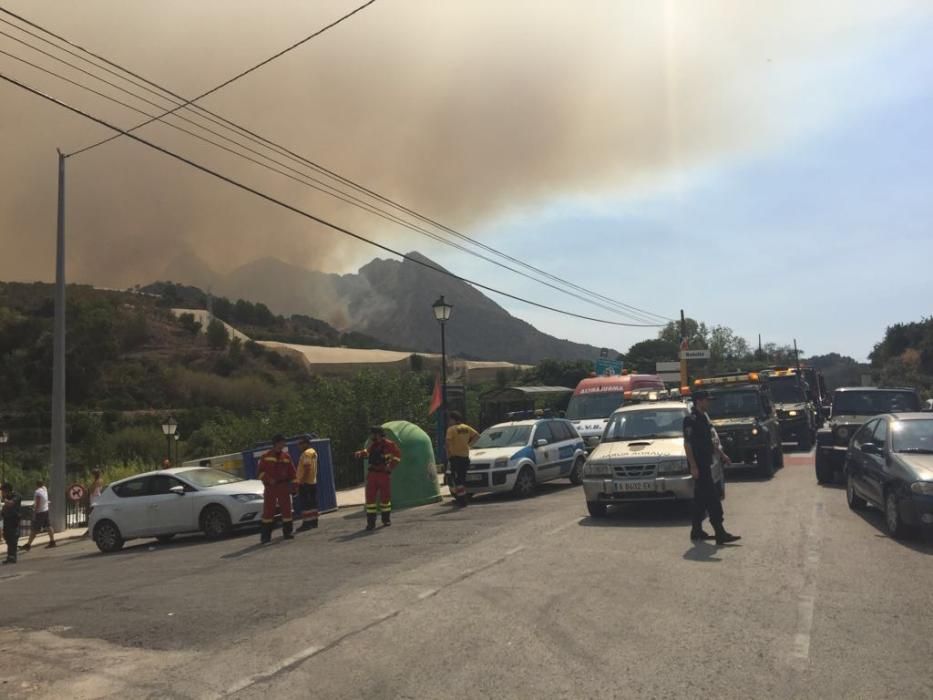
point(76, 492)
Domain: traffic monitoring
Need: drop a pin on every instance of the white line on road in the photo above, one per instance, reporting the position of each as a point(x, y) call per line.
point(515, 550)
point(561, 528)
point(277, 668)
point(806, 599)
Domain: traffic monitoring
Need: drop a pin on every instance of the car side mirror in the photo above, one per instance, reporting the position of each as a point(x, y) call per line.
point(540, 442)
point(178, 490)
point(870, 448)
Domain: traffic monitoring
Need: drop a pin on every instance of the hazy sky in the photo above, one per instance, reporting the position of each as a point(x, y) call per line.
point(764, 166)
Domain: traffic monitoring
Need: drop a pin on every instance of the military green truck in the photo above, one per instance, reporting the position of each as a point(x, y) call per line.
point(743, 414)
point(797, 414)
point(851, 407)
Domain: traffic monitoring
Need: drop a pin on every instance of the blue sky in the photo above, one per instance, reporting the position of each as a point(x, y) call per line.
point(824, 237)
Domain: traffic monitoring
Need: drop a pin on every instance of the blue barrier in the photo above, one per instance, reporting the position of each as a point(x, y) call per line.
point(326, 491)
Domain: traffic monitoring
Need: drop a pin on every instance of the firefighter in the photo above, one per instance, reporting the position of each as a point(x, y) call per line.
point(277, 473)
point(382, 456)
point(307, 484)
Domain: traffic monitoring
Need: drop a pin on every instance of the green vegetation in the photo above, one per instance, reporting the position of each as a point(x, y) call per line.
point(904, 357)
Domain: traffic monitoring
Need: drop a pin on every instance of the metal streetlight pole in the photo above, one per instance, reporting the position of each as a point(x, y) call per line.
point(57, 476)
point(442, 313)
point(169, 428)
point(177, 439)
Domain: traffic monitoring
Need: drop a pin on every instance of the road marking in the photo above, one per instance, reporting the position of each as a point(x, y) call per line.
point(424, 595)
point(515, 550)
point(14, 575)
point(278, 668)
point(806, 599)
point(560, 528)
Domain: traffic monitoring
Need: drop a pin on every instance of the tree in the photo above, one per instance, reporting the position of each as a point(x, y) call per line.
point(643, 356)
point(189, 323)
point(217, 336)
point(697, 333)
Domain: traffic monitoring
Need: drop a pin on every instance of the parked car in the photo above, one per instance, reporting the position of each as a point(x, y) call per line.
point(889, 464)
point(165, 503)
point(519, 455)
point(641, 457)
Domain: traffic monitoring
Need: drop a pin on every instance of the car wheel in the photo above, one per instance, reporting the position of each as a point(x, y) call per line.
point(107, 536)
point(597, 509)
point(524, 483)
point(576, 474)
point(766, 462)
point(824, 470)
point(892, 516)
point(215, 522)
point(165, 539)
point(855, 501)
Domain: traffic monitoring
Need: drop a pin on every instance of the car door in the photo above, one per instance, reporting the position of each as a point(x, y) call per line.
point(128, 510)
point(168, 512)
point(855, 457)
point(565, 443)
point(873, 462)
point(545, 452)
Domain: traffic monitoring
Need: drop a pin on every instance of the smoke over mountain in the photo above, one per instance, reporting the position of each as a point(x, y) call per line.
point(464, 110)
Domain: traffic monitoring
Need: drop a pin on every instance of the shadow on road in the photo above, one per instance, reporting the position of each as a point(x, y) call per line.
point(667, 514)
point(359, 534)
point(702, 551)
point(488, 499)
point(920, 542)
point(147, 545)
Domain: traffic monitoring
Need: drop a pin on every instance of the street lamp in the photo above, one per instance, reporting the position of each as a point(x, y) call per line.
point(442, 313)
point(168, 428)
point(3, 440)
point(177, 438)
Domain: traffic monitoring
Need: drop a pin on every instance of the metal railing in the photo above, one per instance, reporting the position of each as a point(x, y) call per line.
point(75, 517)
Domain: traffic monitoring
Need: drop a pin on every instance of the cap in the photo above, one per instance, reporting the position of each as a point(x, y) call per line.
point(702, 394)
point(278, 438)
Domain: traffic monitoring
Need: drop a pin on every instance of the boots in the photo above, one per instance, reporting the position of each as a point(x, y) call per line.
point(697, 533)
point(287, 530)
point(370, 521)
point(723, 537)
point(265, 533)
point(386, 518)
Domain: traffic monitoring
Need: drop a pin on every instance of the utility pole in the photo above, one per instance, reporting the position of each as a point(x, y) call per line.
point(57, 475)
point(683, 348)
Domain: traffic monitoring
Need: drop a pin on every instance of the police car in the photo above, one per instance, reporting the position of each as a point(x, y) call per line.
point(641, 457)
point(518, 455)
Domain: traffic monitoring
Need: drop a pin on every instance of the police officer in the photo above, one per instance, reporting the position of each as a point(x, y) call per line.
point(700, 448)
point(10, 510)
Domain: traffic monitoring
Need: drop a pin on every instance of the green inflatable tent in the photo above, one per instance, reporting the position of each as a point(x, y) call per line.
point(414, 480)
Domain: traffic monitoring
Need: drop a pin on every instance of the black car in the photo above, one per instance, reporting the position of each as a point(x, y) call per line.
point(852, 406)
point(889, 464)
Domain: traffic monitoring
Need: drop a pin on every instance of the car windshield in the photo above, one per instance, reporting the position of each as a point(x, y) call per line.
point(205, 478)
point(599, 404)
point(912, 436)
point(503, 436)
point(787, 390)
point(870, 403)
point(636, 425)
point(732, 404)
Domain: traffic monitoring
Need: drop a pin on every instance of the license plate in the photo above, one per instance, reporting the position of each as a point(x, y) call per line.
point(473, 478)
point(642, 485)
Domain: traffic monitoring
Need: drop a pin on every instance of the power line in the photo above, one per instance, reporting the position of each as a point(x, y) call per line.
point(298, 176)
point(308, 215)
point(282, 150)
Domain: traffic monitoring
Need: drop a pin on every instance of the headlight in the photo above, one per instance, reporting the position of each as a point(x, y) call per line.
point(792, 413)
point(247, 497)
point(596, 469)
point(500, 463)
point(922, 488)
point(754, 431)
point(676, 466)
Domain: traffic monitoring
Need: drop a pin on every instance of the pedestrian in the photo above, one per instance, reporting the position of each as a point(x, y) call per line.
point(700, 448)
point(40, 516)
point(277, 473)
point(307, 484)
point(382, 456)
point(460, 437)
point(166, 464)
point(11, 514)
point(96, 487)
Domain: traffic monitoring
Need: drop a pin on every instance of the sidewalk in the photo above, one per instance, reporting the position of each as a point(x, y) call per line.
point(352, 498)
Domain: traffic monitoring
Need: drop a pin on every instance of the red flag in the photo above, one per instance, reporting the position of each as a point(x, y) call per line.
point(436, 397)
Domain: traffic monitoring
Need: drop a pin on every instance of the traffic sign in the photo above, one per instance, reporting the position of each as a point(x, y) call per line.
point(666, 367)
point(608, 368)
point(670, 377)
point(76, 492)
point(694, 354)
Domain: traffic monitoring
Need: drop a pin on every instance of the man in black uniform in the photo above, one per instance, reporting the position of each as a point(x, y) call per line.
point(698, 442)
point(10, 510)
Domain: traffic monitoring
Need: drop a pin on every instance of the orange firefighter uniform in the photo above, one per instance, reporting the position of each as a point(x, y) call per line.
point(382, 456)
point(277, 473)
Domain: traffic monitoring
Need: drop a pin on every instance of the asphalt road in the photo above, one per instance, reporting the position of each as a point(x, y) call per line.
point(506, 599)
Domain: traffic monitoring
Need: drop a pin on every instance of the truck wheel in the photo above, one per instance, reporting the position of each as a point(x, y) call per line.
point(596, 509)
point(778, 457)
point(824, 470)
point(576, 474)
point(766, 462)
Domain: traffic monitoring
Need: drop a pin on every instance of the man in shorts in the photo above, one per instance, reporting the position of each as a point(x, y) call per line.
point(40, 516)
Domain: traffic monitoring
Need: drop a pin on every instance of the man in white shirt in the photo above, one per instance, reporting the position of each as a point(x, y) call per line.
point(40, 516)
